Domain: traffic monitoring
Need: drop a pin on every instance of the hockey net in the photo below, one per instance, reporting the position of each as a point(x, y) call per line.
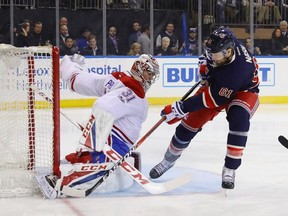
point(29, 124)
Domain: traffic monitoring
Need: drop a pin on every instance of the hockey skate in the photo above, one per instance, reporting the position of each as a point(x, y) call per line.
point(47, 185)
point(160, 169)
point(168, 161)
point(228, 178)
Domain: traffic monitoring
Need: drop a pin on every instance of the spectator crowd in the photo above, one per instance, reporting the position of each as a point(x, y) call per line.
point(167, 42)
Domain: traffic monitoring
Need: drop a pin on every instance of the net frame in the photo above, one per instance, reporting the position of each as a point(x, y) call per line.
point(12, 177)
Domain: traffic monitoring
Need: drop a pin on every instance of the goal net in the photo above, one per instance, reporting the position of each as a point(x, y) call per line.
point(29, 123)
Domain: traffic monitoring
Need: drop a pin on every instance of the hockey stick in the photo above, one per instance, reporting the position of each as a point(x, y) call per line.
point(153, 188)
point(283, 141)
point(184, 97)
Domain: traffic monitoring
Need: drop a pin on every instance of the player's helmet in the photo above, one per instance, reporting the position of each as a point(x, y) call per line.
point(219, 41)
point(148, 63)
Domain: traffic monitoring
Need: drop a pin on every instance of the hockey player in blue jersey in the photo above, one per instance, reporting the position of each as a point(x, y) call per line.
point(230, 82)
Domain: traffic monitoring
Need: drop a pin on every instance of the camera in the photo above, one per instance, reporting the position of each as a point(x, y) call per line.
point(21, 26)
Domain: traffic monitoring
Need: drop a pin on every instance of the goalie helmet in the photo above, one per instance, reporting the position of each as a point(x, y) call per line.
point(218, 42)
point(145, 62)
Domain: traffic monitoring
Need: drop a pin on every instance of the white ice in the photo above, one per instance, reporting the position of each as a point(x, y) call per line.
point(261, 182)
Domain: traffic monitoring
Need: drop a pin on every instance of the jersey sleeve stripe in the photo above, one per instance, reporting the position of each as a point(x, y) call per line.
point(72, 80)
point(208, 99)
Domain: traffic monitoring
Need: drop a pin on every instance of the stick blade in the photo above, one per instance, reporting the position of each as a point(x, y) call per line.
point(72, 192)
point(178, 182)
point(283, 141)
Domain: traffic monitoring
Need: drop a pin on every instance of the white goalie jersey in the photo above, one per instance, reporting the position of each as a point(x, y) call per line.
point(119, 94)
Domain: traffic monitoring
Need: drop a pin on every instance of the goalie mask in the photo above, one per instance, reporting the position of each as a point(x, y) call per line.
point(217, 44)
point(149, 64)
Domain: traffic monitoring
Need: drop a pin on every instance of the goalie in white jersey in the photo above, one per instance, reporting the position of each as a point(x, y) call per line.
point(118, 112)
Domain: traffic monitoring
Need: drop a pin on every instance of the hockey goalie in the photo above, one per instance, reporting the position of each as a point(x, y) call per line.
point(116, 119)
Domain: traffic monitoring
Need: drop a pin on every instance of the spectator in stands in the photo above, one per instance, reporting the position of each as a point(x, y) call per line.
point(135, 49)
point(174, 41)
point(37, 39)
point(246, 8)
point(63, 21)
point(63, 33)
point(278, 45)
point(82, 42)
point(22, 33)
point(69, 48)
point(92, 49)
point(269, 8)
point(113, 42)
point(192, 46)
point(133, 37)
point(164, 50)
point(284, 29)
point(144, 40)
point(248, 44)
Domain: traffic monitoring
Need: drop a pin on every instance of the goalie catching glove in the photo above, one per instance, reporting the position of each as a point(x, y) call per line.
point(79, 59)
point(174, 112)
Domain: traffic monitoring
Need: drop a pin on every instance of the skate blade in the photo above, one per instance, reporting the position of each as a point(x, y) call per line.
point(227, 192)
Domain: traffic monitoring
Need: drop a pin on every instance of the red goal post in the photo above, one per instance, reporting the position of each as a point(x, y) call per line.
point(29, 124)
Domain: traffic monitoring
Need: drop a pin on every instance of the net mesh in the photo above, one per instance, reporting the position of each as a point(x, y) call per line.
point(26, 118)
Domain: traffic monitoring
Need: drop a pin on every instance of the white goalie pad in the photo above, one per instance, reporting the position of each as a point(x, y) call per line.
point(117, 181)
point(104, 123)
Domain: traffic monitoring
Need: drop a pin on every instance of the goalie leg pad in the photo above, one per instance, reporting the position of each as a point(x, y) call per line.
point(117, 181)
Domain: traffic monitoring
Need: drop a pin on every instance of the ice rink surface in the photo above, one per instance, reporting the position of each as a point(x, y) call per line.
point(261, 182)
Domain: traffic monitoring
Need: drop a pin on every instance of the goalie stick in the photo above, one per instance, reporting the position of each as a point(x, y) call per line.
point(283, 141)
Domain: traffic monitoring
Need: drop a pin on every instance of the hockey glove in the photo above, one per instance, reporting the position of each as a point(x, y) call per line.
point(79, 59)
point(174, 112)
point(203, 70)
